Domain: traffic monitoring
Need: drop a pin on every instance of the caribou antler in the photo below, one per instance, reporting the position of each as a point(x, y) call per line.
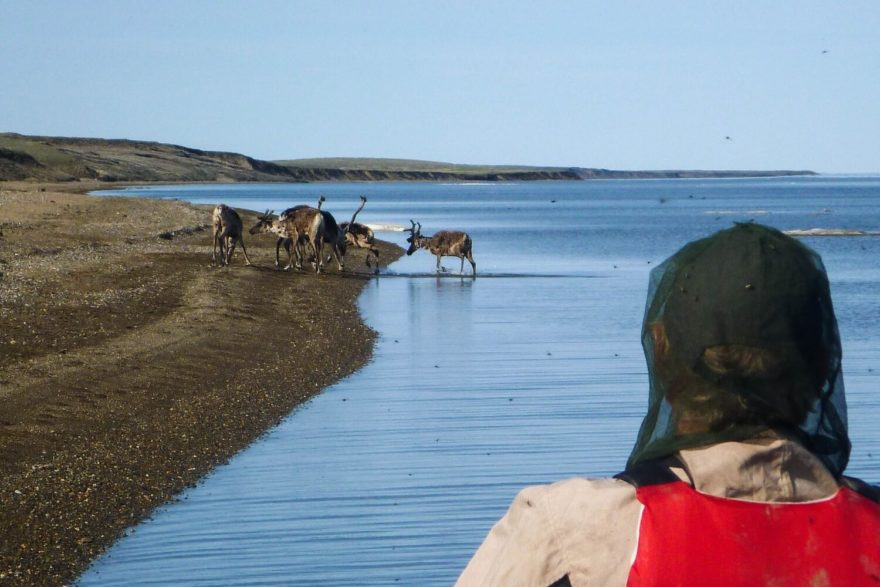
point(361, 236)
point(356, 212)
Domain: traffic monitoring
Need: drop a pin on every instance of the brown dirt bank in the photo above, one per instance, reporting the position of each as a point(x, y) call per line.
point(129, 367)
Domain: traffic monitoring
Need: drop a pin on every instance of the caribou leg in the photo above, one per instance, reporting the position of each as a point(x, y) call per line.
point(230, 249)
point(334, 254)
point(318, 250)
point(290, 255)
point(244, 250)
point(214, 250)
point(278, 242)
point(224, 249)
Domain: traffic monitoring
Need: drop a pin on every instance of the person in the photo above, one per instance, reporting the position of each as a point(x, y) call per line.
point(736, 477)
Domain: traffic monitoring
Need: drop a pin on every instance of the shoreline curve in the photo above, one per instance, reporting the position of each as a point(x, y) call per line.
point(130, 368)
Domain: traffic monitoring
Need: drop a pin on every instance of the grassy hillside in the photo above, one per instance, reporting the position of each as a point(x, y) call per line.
point(410, 165)
point(69, 159)
point(366, 169)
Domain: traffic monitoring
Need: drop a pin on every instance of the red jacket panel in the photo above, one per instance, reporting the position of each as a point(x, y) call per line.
point(687, 538)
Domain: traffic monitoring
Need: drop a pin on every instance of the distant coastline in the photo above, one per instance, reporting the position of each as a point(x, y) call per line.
point(62, 159)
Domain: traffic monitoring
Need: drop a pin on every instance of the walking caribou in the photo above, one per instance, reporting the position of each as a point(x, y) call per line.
point(227, 228)
point(361, 236)
point(301, 226)
point(446, 243)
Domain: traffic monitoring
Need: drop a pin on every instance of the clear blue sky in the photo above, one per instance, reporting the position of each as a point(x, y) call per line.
point(622, 85)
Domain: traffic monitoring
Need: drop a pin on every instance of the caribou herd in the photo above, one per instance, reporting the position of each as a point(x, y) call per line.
point(304, 231)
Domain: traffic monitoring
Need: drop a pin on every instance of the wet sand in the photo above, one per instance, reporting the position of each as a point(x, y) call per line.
point(129, 367)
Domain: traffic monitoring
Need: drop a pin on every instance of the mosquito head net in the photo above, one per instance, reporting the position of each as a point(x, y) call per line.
point(740, 338)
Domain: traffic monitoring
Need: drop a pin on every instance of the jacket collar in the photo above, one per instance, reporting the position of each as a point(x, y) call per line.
point(770, 468)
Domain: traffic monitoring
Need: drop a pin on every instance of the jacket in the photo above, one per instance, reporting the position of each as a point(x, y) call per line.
point(585, 531)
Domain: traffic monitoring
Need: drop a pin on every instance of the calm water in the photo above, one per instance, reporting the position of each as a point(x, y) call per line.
point(530, 373)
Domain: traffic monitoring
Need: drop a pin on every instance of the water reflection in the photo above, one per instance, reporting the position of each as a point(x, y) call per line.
point(394, 474)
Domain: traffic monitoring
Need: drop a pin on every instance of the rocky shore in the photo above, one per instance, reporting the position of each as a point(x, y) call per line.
point(129, 367)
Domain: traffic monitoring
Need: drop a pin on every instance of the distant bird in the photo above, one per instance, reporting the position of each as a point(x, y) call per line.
point(728, 138)
point(824, 51)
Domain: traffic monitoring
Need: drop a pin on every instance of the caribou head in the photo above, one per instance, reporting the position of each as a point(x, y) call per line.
point(414, 238)
point(264, 222)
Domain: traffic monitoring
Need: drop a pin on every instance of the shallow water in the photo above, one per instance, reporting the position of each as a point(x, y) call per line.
point(530, 373)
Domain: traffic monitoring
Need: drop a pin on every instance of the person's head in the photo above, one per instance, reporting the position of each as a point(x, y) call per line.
point(741, 338)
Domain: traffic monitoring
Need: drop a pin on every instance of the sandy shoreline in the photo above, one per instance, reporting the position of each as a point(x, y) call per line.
point(129, 368)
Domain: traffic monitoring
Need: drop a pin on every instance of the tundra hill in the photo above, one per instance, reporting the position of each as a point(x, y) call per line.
point(42, 158)
point(373, 169)
point(71, 159)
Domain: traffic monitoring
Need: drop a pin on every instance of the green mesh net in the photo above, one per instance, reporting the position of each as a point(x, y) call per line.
point(740, 338)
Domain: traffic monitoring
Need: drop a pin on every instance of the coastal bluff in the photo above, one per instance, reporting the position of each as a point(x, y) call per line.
point(67, 159)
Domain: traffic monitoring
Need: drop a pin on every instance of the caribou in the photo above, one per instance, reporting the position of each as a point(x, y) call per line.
point(361, 236)
point(334, 236)
point(267, 222)
point(446, 243)
point(300, 226)
point(228, 230)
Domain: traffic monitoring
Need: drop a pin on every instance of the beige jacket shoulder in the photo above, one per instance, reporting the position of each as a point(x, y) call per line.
point(587, 529)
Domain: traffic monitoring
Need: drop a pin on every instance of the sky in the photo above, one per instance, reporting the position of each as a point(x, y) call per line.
point(621, 85)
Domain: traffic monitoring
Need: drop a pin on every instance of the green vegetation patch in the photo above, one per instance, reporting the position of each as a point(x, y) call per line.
point(42, 151)
point(407, 165)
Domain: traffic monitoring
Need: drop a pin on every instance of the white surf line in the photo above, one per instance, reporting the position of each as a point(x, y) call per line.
point(386, 227)
point(829, 232)
point(735, 212)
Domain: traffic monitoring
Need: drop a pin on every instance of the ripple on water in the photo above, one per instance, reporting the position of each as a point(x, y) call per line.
point(529, 373)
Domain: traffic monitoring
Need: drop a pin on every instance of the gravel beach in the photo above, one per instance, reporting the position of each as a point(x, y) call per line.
point(129, 367)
